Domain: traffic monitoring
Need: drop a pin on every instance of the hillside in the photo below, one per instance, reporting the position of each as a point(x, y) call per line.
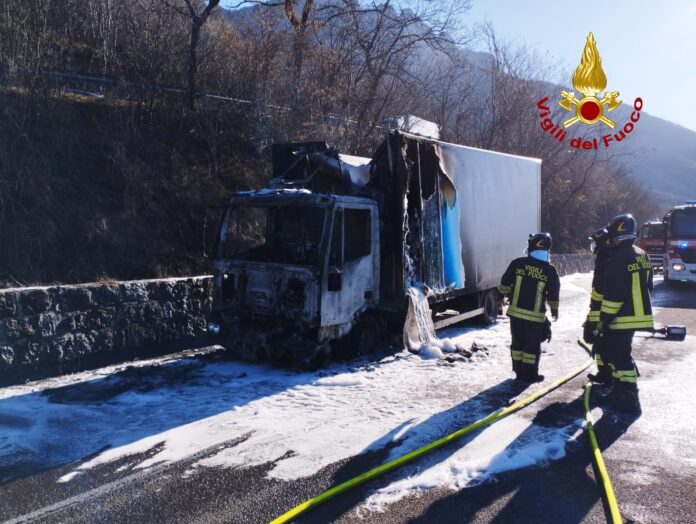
point(109, 178)
point(662, 156)
point(659, 155)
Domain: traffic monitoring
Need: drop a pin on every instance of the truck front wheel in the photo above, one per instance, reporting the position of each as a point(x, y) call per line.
point(363, 338)
point(366, 335)
point(490, 307)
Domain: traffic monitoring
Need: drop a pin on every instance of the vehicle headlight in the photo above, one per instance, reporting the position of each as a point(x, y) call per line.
point(678, 267)
point(214, 328)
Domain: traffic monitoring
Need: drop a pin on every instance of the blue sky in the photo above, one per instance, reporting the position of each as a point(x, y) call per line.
point(648, 49)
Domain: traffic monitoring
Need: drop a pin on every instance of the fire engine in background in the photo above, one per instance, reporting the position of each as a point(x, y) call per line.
point(651, 239)
point(680, 255)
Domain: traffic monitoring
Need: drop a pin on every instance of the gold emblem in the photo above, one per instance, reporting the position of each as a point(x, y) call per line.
point(590, 80)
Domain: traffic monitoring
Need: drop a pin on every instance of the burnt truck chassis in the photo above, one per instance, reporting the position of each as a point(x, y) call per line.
point(405, 182)
point(284, 341)
point(292, 343)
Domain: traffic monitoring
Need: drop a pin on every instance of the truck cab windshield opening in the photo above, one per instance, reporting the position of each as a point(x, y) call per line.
point(652, 232)
point(276, 234)
point(684, 224)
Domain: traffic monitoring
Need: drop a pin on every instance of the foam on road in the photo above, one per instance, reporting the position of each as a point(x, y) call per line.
point(301, 422)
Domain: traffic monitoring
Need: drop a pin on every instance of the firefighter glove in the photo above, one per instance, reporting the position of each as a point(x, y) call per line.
point(588, 332)
point(554, 314)
point(547, 330)
point(600, 329)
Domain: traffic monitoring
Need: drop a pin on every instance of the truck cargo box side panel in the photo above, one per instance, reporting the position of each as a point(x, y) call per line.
point(499, 201)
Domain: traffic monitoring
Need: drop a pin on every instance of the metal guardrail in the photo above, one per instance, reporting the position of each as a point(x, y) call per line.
point(124, 89)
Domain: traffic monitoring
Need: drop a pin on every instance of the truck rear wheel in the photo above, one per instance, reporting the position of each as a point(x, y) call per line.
point(490, 306)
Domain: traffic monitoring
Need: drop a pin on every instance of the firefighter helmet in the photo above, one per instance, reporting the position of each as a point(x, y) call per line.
point(539, 241)
point(622, 227)
point(600, 240)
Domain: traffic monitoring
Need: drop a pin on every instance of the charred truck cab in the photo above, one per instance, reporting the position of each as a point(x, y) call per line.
point(293, 269)
point(321, 261)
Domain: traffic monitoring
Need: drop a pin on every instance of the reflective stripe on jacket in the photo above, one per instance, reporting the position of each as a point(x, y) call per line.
point(626, 302)
point(533, 283)
point(599, 282)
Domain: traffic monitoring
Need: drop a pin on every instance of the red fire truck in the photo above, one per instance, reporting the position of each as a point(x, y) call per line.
point(651, 239)
point(680, 255)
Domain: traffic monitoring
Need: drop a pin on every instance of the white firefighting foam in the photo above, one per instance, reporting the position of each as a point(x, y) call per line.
point(240, 414)
point(419, 332)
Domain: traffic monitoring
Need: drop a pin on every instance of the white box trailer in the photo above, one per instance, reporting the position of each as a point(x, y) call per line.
point(454, 216)
point(499, 201)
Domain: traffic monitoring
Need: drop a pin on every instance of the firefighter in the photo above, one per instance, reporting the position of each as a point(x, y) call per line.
point(602, 251)
point(531, 282)
point(625, 309)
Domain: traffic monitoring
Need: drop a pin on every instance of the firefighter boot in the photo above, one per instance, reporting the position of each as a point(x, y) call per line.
point(622, 399)
point(529, 373)
point(626, 400)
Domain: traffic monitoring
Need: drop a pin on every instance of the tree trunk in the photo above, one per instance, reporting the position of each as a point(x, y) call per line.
point(193, 64)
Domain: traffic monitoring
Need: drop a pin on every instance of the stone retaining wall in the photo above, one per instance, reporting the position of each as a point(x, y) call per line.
point(48, 330)
point(569, 264)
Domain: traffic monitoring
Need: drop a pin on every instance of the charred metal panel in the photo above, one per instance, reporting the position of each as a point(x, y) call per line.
point(431, 224)
point(388, 186)
point(291, 161)
point(420, 214)
point(267, 292)
point(433, 271)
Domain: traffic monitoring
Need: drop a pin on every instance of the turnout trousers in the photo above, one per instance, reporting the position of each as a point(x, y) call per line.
point(616, 352)
point(599, 354)
point(525, 347)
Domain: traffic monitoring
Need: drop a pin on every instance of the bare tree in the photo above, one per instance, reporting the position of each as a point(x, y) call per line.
point(198, 18)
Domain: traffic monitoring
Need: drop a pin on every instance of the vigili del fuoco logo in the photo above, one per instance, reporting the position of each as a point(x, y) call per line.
point(591, 109)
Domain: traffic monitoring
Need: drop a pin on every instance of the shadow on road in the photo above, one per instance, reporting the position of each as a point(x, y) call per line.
point(560, 491)
point(47, 429)
point(437, 426)
point(678, 295)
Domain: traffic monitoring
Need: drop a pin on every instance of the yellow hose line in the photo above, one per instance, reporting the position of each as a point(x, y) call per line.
point(597, 454)
point(413, 455)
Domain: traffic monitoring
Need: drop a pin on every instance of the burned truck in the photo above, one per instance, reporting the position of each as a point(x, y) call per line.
point(319, 264)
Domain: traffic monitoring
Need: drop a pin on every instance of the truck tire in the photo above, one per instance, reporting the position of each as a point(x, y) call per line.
point(363, 338)
point(366, 335)
point(490, 306)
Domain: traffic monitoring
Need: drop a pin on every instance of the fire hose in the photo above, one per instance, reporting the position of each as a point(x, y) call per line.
point(605, 482)
point(428, 448)
point(597, 454)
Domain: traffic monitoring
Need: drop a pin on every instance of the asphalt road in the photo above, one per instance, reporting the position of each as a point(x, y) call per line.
point(652, 482)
